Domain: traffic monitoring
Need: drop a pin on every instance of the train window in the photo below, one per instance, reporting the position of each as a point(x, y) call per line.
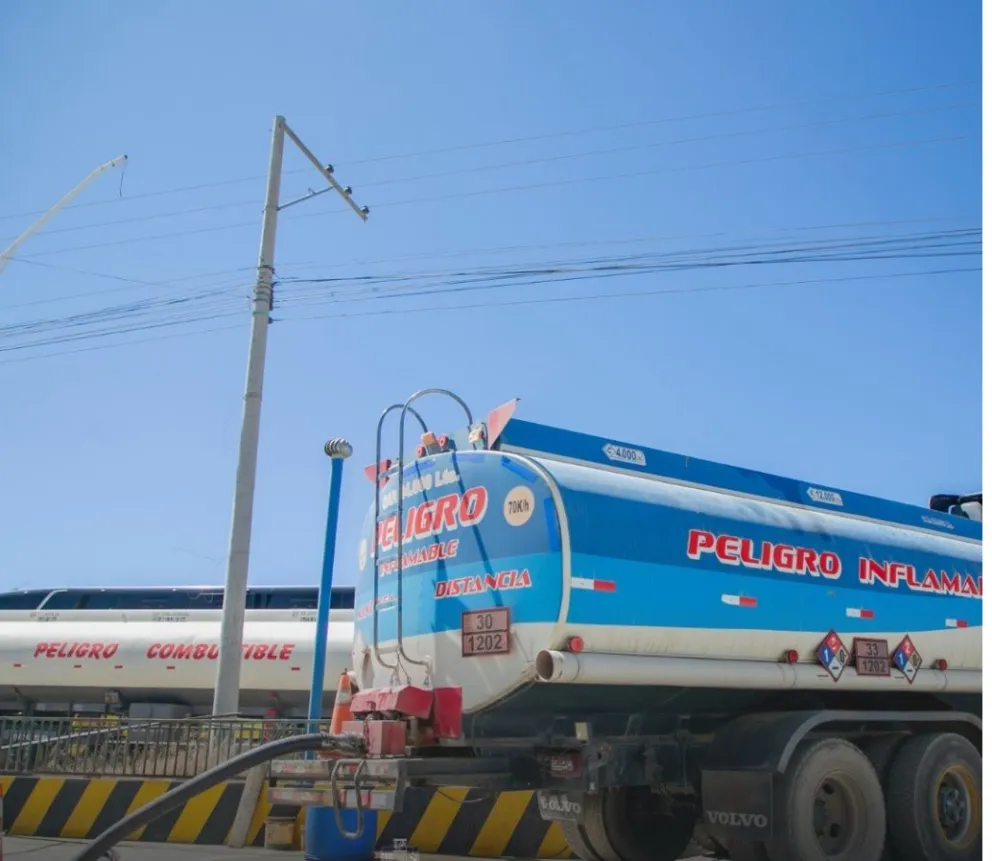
point(290, 599)
point(343, 599)
point(27, 600)
point(206, 600)
point(135, 599)
point(65, 599)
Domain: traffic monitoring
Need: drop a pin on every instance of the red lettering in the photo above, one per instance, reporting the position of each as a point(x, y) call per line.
point(94, 651)
point(473, 506)
point(258, 652)
point(444, 513)
point(784, 557)
point(199, 651)
point(700, 542)
point(728, 549)
point(747, 554)
point(870, 571)
point(806, 561)
point(153, 650)
point(911, 577)
point(950, 584)
point(423, 519)
point(970, 587)
point(213, 652)
point(183, 652)
point(830, 565)
point(499, 581)
point(931, 582)
point(286, 652)
point(167, 651)
point(411, 516)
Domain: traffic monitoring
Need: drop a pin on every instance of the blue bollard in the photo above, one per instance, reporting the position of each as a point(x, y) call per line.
point(322, 841)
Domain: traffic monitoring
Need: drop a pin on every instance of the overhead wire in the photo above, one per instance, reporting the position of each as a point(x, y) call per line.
point(211, 304)
point(529, 162)
point(460, 253)
point(514, 303)
point(586, 180)
point(856, 96)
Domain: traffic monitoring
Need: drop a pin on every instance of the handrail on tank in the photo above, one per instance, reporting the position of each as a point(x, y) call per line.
point(375, 528)
point(401, 652)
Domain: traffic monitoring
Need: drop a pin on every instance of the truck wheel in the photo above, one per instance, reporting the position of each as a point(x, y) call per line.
point(627, 824)
point(881, 751)
point(934, 799)
point(830, 806)
point(578, 841)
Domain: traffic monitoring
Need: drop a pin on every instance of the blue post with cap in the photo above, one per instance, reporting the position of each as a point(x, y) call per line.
point(337, 450)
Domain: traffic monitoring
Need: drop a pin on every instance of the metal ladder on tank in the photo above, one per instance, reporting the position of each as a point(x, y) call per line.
point(403, 660)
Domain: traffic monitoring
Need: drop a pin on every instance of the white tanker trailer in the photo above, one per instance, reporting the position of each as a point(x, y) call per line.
point(75, 661)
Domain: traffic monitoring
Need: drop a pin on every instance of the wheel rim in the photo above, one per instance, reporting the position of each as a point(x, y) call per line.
point(835, 816)
point(956, 806)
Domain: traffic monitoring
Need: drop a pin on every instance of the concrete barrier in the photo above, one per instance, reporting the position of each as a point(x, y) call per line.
point(447, 821)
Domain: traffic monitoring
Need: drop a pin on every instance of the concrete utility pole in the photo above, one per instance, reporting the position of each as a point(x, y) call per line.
point(228, 682)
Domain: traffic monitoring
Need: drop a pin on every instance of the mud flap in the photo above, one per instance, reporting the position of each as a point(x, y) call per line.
point(737, 805)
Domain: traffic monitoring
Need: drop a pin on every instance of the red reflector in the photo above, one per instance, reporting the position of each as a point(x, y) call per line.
point(941, 664)
point(576, 644)
point(792, 657)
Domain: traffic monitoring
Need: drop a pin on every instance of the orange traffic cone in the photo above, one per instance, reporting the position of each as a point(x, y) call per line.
point(342, 704)
point(341, 712)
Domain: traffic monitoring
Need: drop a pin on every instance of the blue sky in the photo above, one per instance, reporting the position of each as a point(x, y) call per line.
point(723, 124)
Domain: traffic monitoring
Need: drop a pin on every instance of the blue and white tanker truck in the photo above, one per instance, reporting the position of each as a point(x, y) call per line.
point(667, 648)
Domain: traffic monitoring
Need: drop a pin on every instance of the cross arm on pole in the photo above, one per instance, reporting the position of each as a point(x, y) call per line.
point(327, 172)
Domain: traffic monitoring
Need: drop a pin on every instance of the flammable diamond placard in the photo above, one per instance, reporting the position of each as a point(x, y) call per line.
point(833, 655)
point(907, 659)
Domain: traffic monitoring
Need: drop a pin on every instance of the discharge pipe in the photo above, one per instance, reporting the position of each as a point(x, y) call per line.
point(98, 847)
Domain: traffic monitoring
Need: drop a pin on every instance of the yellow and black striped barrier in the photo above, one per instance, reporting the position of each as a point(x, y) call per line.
point(79, 807)
point(449, 821)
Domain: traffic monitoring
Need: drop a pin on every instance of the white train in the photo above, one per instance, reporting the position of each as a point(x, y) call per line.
point(88, 650)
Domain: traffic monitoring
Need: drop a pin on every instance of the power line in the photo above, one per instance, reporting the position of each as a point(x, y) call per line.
point(288, 281)
point(196, 210)
point(140, 315)
point(538, 137)
point(589, 243)
point(545, 300)
point(515, 188)
point(634, 294)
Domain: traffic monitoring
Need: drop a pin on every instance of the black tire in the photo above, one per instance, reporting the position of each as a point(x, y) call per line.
point(830, 806)
point(578, 840)
point(625, 824)
point(933, 778)
point(881, 751)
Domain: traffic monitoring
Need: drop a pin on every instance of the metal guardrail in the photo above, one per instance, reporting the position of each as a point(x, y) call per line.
point(131, 748)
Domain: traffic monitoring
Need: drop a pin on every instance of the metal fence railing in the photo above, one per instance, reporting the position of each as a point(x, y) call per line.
point(130, 748)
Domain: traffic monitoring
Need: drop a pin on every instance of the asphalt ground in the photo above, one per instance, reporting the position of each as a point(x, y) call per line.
point(42, 849)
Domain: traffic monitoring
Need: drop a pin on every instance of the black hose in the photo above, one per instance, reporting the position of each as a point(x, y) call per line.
point(181, 794)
